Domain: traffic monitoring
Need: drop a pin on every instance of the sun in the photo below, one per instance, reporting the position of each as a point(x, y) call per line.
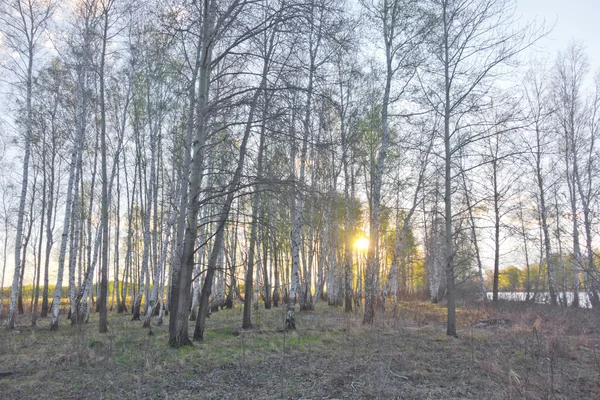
point(362, 244)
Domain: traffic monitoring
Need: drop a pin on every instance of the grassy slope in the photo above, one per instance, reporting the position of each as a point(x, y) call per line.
point(542, 354)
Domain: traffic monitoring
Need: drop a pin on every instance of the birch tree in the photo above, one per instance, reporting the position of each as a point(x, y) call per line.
point(346, 108)
point(24, 23)
point(107, 5)
point(266, 48)
point(402, 26)
point(586, 185)
point(536, 92)
point(262, 25)
point(84, 25)
point(471, 43)
point(52, 83)
point(571, 116)
point(181, 284)
point(421, 170)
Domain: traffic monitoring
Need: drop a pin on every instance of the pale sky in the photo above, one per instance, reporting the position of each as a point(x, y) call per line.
point(575, 19)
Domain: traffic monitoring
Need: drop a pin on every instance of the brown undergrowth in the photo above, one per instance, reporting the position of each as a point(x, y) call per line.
point(520, 352)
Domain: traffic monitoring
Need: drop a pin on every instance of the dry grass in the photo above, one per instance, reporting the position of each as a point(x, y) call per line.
point(542, 354)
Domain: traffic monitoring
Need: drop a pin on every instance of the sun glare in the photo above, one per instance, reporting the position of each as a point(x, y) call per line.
point(362, 244)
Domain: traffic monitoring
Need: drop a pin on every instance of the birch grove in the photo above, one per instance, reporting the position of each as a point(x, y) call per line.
point(183, 157)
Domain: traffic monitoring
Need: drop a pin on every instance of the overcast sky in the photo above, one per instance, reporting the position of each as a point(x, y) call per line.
point(575, 19)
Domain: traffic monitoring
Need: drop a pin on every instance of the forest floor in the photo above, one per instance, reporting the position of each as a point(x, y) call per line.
point(520, 352)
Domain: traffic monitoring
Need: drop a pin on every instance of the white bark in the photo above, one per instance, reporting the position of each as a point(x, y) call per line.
point(23, 23)
point(154, 297)
point(76, 156)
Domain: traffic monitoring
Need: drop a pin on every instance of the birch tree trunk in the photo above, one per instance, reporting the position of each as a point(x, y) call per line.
point(224, 214)
point(400, 236)
point(544, 217)
point(449, 242)
point(482, 27)
point(75, 233)
point(496, 207)
point(372, 272)
point(146, 215)
point(154, 297)
point(129, 246)
point(177, 327)
point(248, 284)
point(45, 205)
point(586, 192)
point(27, 20)
point(473, 227)
point(561, 261)
point(571, 68)
point(103, 297)
point(71, 200)
point(297, 199)
point(265, 256)
point(181, 283)
point(296, 219)
point(117, 238)
point(4, 258)
point(50, 218)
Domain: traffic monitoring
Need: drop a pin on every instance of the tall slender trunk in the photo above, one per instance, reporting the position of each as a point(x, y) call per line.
point(34, 315)
point(116, 290)
point(586, 193)
point(129, 246)
point(496, 230)
point(571, 183)
point(544, 219)
point(373, 262)
point(177, 327)
point(16, 289)
point(103, 297)
point(248, 283)
point(526, 249)
point(147, 208)
point(5, 250)
point(561, 259)
point(349, 214)
point(76, 230)
point(101, 245)
point(296, 219)
point(49, 221)
point(325, 244)
point(349, 232)
point(449, 243)
point(297, 198)
point(306, 290)
point(146, 218)
point(181, 284)
point(90, 212)
point(265, 260)
point(232, 267)
point(154, 159)
point(71, 200)
point(154, 297)
point(474, 238)
point(401, 235)
point(224, 214)
point(26, 239)
point(275, 263)
point(591, 283)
